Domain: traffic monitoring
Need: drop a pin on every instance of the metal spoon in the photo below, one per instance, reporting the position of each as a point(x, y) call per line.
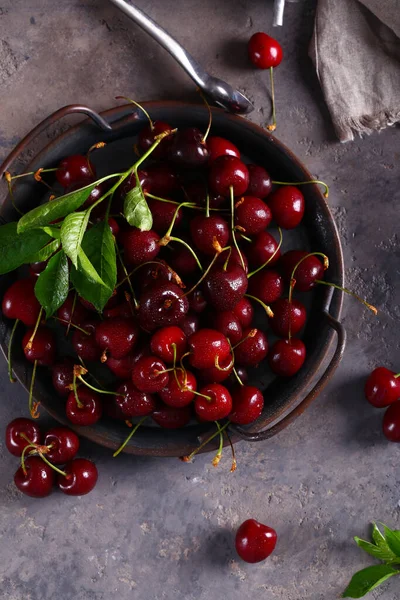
point(218, 91)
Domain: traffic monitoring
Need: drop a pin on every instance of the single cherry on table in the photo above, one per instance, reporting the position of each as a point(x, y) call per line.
point(382, 387)
point(255, 541)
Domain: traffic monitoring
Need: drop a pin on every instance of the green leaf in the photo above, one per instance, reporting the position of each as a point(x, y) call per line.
point(367, 580)
point(54, 231)
point(99, 246)
point(51, 288)
point(88, 282)
point(15, 250)
point(45, 252)
point(392, 537)
point(378, 537)
point(72, 231)
point(382, 552)
point(136, 209)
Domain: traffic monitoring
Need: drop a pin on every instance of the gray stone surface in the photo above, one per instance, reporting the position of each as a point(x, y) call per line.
point(160, 529)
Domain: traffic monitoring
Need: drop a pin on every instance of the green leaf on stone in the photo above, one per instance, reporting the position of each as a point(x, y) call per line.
point(51, 288)
point(368, 579)
point(392, 538)
point(383, 552)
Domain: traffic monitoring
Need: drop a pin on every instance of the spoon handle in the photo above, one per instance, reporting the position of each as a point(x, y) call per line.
point(183, 57)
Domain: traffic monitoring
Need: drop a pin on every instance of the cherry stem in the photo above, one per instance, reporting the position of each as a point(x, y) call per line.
point(30, 341)
point(10, 370)
point(272, 127)
point(23, 455)
point(397, 375)
point(225, 266)
point(95, 389)
point(157, 373)
point(161, 199)
point(56, 469)
point(170, 228)
point(127, 277)
point(347, 291)
point(233, 226)
point(224, 369)
point(78, 402)
point(96, 146)
point(251, 334)
point(237, 377)
point(270, 258)
point(245, 237)
point(207, 441)
point(207, 204)
point(265, 307)
point(209, 114)
point(134, 430)
point(72, 325)
point(326, 190)
point(234, 463)
point(8, 178)
point(36, 173)
point(292, 277)
point(208, 398)
point(90, 374)
point(138, 106)
point(218, 456)
point(174, 239)
point(206, 271)
point(32, 405)
point(72, 312)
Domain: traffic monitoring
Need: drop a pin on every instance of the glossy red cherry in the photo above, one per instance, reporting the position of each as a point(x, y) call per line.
point(43, 349)
point(63, 444)
point(162, 305)
point(262, 249)
point(147, 137)
point(218, 146)
point(308, 271)
point(382, 387)
point(288, 317)
point(38, 480)
point(37, 267)
point(15, 443)
point(72, 311)
point(163, 213)
point(287, 206)
point(140, 246)
point(206, 346)
point(179, 395)
point(162, 343)
point(133, 402)
point(181, 259)
point(253, 349)
point(206, 230)
point(117, 336)
point(81, 477)
point(122, 367)
point(170, 417)
point(85, 345)
point(196, 192)
point(252, 214)
point(217, 406)
point(248, 403)
point(223, 288)
point(264, 51)
point(62, 375)
point(228, 324)
point(113, 225)
point(91, 409)
point(216, 375)
point(19, 302)
point(391, 423)
point(97, 192)
point(244, 312)
point(260, 184)
point(153, 273)
point(75, 169)
point(189, 324)
point(227, 172)
point(254, 541)
point(149, 374)
point(286, 357)
point(197, 301)
point(267, 285)
point(188, 148)
point(243, 375)
point(234, 258)
point(161, 179)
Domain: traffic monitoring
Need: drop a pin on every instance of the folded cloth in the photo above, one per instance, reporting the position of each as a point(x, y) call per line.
point(356, 52)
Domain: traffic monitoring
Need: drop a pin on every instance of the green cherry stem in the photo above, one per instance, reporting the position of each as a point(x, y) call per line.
point(127, 276)
point(165, 239)
point(347, 291)
point(9, 358)
point(98, 390)
point(237, 377)
point(33, 405)
point(56, 469)
point(326, 190)
point(70, 325)
point(397, 375)
point(265, 307)
point(272, 127)
point(233, 226)
point(208, 398)
point(215, 461)
point(138, 106)
point(205, 136)
point(270, 258)
point(234, 463)
point(134, 430)
point(206, 272)
point(30, 341)
point(203, 444)
point(78, 402)
point(174, 239)
point(24, 451)
point(148, 195)
point(251, 334)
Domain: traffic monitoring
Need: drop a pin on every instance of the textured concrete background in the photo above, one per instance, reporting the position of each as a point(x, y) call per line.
point(160, 529)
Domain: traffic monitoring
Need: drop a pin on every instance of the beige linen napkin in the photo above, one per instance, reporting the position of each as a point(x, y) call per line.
point(356, 52)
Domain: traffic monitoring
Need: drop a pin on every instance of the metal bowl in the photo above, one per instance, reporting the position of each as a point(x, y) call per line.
point(285, 399)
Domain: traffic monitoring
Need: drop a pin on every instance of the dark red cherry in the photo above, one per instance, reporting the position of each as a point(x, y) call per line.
point(228, 323)
point(207, 346)
point(147, 137)
point(244, 312)
point(260, 184)
point(197, 301)
point(223, 288)
point(227, 172)
point(91, 409)
point(85, 345)
point(253, 349)
point(179, 395)
point(264, 51)
point(170, 417)
point(391, 423)
point(232, 258)
point(217, 374)
point(261, 249)
point(15, 443)
point(252, 214)
point(243, 375)
point(162, 343)
point(38, 480)
point(111, 303)
point(97, 192)
point(75, 169)
point(149, 374)
point(63, 444)
point(181, 259)
point(19, 302)
point(43, 349)
point(218, 146)
point(153, 273)
point(125, 310)
point(113, 225)
point(286, 357)
point(117, 336)
point(196, 191)
point(267, 285)
point(206, 230)
point(188, 148)
point(288, 317)
point(287, 206)
point(162, 305)
point(248, 403)
point(133, 402)
point(37, 267)
point(189, 324)
point(122, 367)
point(163, 213)
point(254, 541)
point(81, 477)
point(62, 374)
point(72, 311)
point(382, 387)
point(217, 406)
point(140, 246)
point(308, 271)
point(161, 179)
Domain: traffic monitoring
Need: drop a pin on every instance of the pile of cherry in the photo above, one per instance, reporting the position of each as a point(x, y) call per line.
point(382, 390)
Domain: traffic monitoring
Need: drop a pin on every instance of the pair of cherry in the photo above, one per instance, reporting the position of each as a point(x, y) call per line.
point(382, 389)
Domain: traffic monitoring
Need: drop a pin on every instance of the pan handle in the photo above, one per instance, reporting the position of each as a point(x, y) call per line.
point(300, 408)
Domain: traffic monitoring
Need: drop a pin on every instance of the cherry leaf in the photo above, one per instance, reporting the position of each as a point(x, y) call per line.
point(136, 209)
point(17, 249)
point(51, 288)
point(368, 579)
point(72, 232)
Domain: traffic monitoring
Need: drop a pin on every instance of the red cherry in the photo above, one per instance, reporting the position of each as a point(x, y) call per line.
point(206, 346)
point(160, 179)
point(308, 271)
point(122, 367)
point(85, 345)
point(243, 375)
point(218, 406)
point(248, 403)
point(253, 349)
point(267, 285)
point(196, 192)
point(113, 225)
point(162, 340)
point(91, 410)
point(218, 146)
point(38, 480)
point(75, 169)
point(264, 51)
point(216, 375)
point(179, 395)
point(147, 137)
point(169, 417)
point(152, 274)
point(197, 301)
point(181, 259)
point(391, 423)
point(252, 214)
point(223, 288)
point(15, 443)
point(254, 541)
point(163, 213)
point(189, 324)
point(43, 349)
point(117, 336)
point(188, 148)
point(72, 311)
point(287, 206)
point(36, 268)
point(140, 246)
point(286, 357)
point(228, 324)
point(81, 477)
point(63, 376)
point(382, 387)
point(162, 305)
point(244, 312)
point(206, 230)
point(288, 317)
point(63, 444)
point(260, 184)
point(234, 258)
point(149, 374)
point(227, 172)
point(262, 249)
point(19, 302)
point(132, 402)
